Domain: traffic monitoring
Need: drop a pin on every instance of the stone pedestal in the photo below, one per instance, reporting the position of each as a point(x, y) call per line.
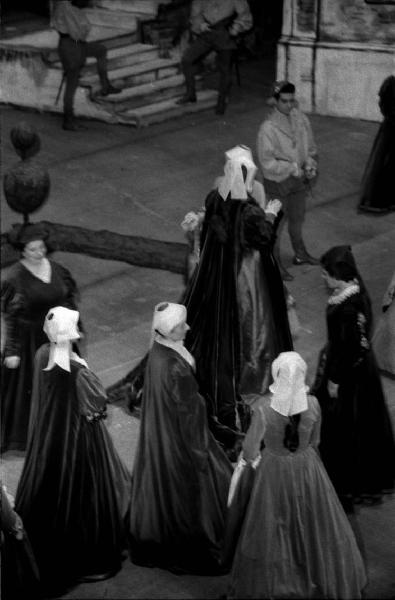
point(337, 54)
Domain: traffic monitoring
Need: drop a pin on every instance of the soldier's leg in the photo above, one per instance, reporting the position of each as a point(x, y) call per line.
point(72, 58)
point(198, 48)
point(225, 75)
point(99, 51)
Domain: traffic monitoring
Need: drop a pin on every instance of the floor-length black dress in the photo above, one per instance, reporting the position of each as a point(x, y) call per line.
point(357, 443)
point(378, 183)
point(26, 300)
point(74, 492)
point(181, 476)
point(236, 305)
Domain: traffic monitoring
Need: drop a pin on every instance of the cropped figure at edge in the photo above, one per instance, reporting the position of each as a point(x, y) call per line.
point(181, 475)
point(287, 155)
point(295, 541)
point(215, 25)
point(30, 288)
point(74, 490)
point(378, 183)
point(383, 340)
point(357, 443)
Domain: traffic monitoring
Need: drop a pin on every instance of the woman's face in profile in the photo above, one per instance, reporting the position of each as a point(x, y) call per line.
point(34, 251)
point(330, 281)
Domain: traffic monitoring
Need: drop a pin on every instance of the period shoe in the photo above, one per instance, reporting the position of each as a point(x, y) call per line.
point(187, 99)
point(305, 259)
point(109, 89)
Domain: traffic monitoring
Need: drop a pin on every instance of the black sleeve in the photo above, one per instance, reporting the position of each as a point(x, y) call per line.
point(12, 308)
point(258, 230)
point(352, 344)
point(72, 295)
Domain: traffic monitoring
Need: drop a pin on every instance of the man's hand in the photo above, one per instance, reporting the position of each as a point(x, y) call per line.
point(12, 362)
point(273, 207)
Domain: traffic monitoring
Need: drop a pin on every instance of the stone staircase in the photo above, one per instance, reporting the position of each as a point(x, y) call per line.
point(151, 82)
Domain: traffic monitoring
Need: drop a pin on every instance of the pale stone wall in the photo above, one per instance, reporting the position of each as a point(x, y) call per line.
point(337, 52)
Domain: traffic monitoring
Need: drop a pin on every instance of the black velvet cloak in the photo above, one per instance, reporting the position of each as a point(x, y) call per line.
point(181, 476)
point(357, 443)
point(378, 184)
point(237, 313)
point(74, 491)
point(236, 305)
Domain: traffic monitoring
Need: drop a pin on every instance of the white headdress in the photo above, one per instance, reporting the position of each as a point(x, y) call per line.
point(167, 315)
point(233, 180)
point(60, 325)
point(289, 392)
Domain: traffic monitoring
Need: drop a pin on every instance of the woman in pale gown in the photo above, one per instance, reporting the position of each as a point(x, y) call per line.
point(295, 541)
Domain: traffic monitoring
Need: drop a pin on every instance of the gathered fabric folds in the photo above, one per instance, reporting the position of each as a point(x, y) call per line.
point(236, 305)
point(296, 541)
point(181, 476)
point(74, 491)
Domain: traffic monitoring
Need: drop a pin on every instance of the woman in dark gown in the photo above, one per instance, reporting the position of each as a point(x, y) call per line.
point(357, 444)
point(235, 301)
point(378, 184)
point(181, 475)
point(26, 298)
point(74, 492)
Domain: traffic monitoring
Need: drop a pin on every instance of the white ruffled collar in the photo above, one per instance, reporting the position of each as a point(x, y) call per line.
point(340, 297)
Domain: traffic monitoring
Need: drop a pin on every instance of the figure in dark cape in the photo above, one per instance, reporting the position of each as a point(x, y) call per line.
point(74, 491)
point(236, 298)
point(357, 443)
point(378, 184)
point(181, 475)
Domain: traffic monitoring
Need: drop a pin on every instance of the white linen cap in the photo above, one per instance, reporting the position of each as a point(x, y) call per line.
point(167, 315)
point(61, 326)
point(233, 180)
point(289, 392)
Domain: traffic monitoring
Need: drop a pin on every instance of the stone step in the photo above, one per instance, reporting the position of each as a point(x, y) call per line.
point(148, 7)
point(146, 93)
point(114, 18)
point(120, 56)
point(135, 75)
point(167, 109)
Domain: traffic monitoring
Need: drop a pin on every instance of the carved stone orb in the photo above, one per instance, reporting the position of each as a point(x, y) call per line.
point(27, 184)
